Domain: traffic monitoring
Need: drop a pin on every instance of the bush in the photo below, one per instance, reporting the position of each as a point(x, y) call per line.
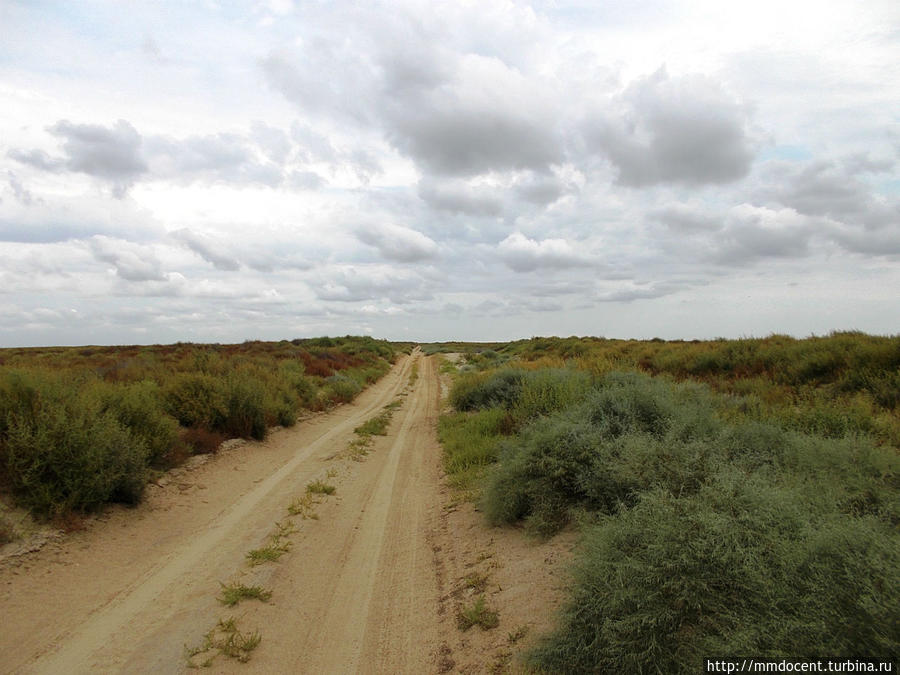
point(74, 457)
point(471, 440)
point(740, 568)
point(476, 392)
point(139, 408)
point(339, 389)
point(196, 400)
point(245, 412)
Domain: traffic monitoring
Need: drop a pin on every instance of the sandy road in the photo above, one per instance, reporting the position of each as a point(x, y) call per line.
point(358, 591)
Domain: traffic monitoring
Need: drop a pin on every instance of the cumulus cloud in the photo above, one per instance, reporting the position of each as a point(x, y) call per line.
point(456, 196)
point(207, 249)
point(681, 217)
point(112, 154)
point(223, 157)
point(753, 232)
point(67, 218)
point(664, 129)
point(354, 283)
point(827, 188)
point(487, 118)
point(395, 242)
point(648, 292)
point(527, 255)
point(132, 262)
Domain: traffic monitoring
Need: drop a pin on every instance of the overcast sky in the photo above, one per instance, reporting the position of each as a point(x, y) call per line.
point(217, 171)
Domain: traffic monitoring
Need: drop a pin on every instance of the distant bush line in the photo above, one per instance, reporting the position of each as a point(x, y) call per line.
point(716, 517)
point(83, 426)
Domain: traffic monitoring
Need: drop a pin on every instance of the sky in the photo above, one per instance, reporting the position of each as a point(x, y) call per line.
point(213, 171)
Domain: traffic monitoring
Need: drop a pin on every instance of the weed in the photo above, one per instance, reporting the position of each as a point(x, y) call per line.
point(319, 487)
point(359, 448)
point(517, 634)
point(224, 639)
point(270, 553)
point(234, 593)
point(376, 426)
point(283, 529)
point(477, 614)
point(303, 506)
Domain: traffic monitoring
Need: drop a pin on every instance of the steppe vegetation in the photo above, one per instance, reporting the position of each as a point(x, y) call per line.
point(83, 426)
point(734, 497)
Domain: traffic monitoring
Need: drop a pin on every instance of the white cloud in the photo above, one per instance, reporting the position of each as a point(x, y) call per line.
point(527, 255)
point(395, 242)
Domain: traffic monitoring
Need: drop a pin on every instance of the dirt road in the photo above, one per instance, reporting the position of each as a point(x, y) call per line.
point(370, 583)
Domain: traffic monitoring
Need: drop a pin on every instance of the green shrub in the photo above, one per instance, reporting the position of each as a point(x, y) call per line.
point(742, 567)
point(74, 457)
point(340, 389)
point(470, 440)
point(139, 408)
point(549, 390)
point(197, 400)
point(245, 413)
point(475, 392)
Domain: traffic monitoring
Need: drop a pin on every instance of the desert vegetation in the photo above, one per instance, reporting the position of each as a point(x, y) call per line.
point(732, 496)
point(83, 426)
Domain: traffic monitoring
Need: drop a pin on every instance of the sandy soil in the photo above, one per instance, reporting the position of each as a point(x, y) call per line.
point(371, 584)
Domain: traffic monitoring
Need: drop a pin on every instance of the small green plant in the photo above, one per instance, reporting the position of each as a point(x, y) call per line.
point(359, 448)
point(319, 487)
point(224, 639)
point(414, 374)
point(270, 553)
point(377, 426)
point(303, 507)
point(232, 594)
point(478, 614)
point(517, 634)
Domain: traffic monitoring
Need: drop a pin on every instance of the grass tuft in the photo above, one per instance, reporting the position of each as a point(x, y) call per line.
point(303, 507)
point(319, 487)
point(234, 593)
point(477, 614)
point(224, 639)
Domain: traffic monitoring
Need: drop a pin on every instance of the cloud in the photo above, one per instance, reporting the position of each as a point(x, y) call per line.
point(39, 160)
point(487, 118)
point(274, 142)
point(752, 233)
point(67, 218)
point(113, 154)
point(456, 196)
point(398, 243)
point(540, 188)
point(650, 292)
point(132, 262)
point(527, 255)
point(827, 188)
point(207, 249)
point(684, 130)
point(21, 193)
point(686, 218)
point(354, 283)
point(223, 157)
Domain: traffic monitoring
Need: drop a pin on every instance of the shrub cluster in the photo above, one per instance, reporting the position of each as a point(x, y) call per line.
point(718, 532)
point(80, 427)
